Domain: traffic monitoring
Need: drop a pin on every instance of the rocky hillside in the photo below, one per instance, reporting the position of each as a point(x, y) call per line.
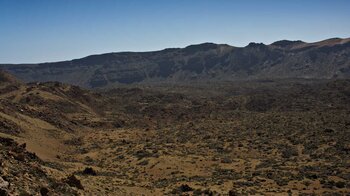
point(23, 173)
point(34, 119)
point(204, 62)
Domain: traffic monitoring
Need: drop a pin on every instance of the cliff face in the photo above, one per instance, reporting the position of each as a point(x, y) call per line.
point(204, 62)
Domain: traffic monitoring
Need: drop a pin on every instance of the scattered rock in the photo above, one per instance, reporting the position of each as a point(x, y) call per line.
point(3, 192)
point(44, 191)
point(232, 193)
point(74, 182)
point(185, 188)
point(144, 162)
point(226, 160)
point(89, 171)
point(289, 151)
point(328, 130)
point(3, 183)
point(340, 184)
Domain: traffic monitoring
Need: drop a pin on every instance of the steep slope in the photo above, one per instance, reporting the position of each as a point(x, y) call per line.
point(23, 173)
point(39, 118)
point(204, 62)
point(39, 127)
point(48, 112)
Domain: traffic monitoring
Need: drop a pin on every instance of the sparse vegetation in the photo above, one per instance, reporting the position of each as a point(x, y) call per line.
point(278, 137)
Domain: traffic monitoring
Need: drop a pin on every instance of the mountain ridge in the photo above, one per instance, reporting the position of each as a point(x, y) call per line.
point(344, 40)
point(325, 59)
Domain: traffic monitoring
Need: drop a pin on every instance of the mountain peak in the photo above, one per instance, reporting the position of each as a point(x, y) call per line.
point(287, 43)
point(202, 46)
point(254, 44)
point(331, 41)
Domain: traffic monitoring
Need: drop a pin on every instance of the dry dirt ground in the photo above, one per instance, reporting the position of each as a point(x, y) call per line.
point(251, 138)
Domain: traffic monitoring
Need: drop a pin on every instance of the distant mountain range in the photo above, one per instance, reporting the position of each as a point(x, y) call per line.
point(196, 63)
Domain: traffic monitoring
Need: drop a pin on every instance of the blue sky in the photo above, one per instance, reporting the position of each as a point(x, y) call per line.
point(52, 30)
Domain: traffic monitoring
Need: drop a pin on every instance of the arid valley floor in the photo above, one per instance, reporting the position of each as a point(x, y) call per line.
point(267, 137)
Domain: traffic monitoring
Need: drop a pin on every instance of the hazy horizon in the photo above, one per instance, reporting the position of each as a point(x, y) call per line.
point(35, 31)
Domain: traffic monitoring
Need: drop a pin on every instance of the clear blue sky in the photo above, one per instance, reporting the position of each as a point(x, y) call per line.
point(53, 30)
